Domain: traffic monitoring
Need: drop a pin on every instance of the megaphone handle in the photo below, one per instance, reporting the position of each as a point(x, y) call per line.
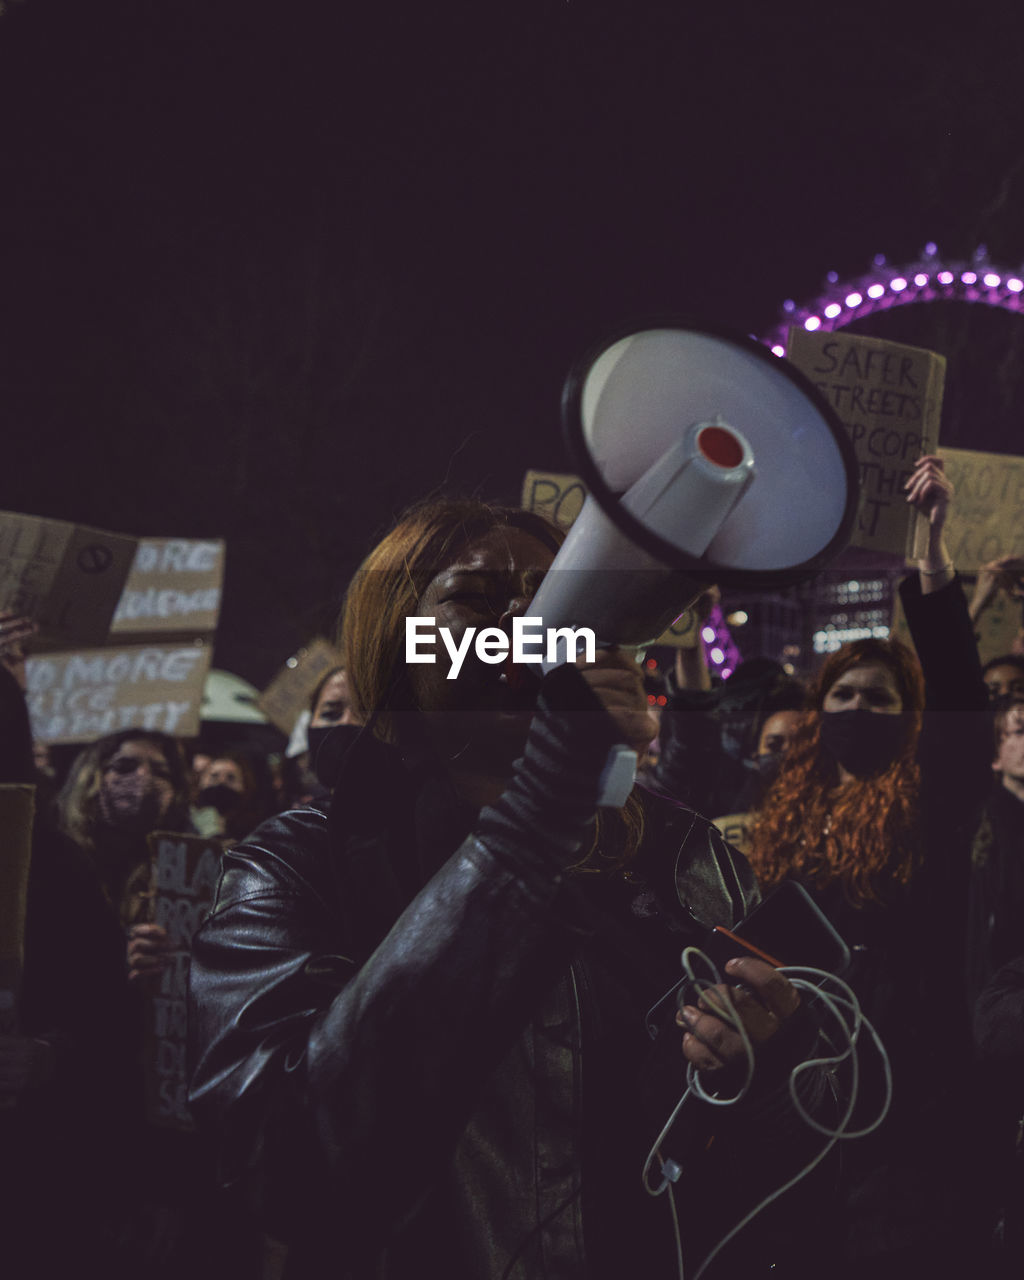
point(617, 777)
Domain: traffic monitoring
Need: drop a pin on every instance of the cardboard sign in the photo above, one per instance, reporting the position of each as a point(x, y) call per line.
point(736, 829)
point(889, 398)
point(684, 633)
point(553, 494)
point(83, 695)
point(986, 518)
point(66, 577)
point(560, 498)
point(288, 694)
point(174, 587)
point(17, 811)
point(185, 872)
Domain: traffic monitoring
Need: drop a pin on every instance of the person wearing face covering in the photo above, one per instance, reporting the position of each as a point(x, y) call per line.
point(333, 727)
point(120, 789)
point(874, 811)
point(321, 739)
point(234, 796)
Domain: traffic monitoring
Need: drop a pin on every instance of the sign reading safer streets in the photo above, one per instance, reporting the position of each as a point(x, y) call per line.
point(889, 398)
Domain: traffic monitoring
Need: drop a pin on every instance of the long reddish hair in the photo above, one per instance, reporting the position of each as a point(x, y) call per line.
point(861, 834)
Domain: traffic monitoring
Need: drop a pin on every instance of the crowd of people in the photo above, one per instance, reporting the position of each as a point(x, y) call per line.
point(438, 1020)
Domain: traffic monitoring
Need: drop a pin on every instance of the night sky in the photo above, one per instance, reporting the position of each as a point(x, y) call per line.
point(271, 273)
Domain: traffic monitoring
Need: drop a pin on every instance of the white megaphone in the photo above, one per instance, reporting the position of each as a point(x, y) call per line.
point(707, 460)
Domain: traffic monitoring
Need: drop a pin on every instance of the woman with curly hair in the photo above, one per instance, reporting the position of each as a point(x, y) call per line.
point(853, 780)
point(874, 811)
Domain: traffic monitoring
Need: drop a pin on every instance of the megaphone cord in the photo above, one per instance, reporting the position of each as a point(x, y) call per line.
point(839, 1005)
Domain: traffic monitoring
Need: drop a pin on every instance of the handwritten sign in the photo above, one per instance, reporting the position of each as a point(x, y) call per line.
point(185, 871)
point(986, 518)
point(82, 695)
point(553, 494)
point(66, 577)
point(889, 398)
point(736, 829)
point(174, 587)
point(17, 811)
point(288, 694)
point(560, 498)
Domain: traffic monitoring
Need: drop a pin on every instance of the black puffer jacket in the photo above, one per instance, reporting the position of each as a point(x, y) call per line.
point(393, 1043)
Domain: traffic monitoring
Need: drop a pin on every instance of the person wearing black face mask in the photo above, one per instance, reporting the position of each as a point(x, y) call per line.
point(234, 795)
point(873, 811)
point(120, 789)
point(333, 727)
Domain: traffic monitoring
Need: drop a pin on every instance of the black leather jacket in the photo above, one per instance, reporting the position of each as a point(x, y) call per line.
point(392, 1048)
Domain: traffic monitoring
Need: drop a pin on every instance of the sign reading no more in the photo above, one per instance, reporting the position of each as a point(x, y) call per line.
point(83, 695)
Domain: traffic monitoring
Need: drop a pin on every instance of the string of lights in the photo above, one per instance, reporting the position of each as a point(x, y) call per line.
point(930, 279)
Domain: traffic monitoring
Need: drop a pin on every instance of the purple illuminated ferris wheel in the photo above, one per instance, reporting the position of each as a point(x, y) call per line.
point(930, 279)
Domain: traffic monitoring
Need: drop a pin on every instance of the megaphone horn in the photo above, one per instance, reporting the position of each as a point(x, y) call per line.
point(708, 460)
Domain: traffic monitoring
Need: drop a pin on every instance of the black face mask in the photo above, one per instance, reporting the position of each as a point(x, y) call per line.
point(327, 749)
point(768, 765)
point(864, 742)
point(219, 797)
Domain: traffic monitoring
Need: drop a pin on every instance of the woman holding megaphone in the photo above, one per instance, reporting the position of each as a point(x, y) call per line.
point(418, 1019)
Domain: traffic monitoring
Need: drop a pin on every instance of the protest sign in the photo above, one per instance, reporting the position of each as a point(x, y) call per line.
point(174, 587)
point(17, 811)
point(736, 829)
point(555, 495)
point(560, 497)
point(184, 875)
point(889, 398)
point(986, 518)
point(82, 695)
point(288, 694)
point(66, 577)
point(684, 633)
